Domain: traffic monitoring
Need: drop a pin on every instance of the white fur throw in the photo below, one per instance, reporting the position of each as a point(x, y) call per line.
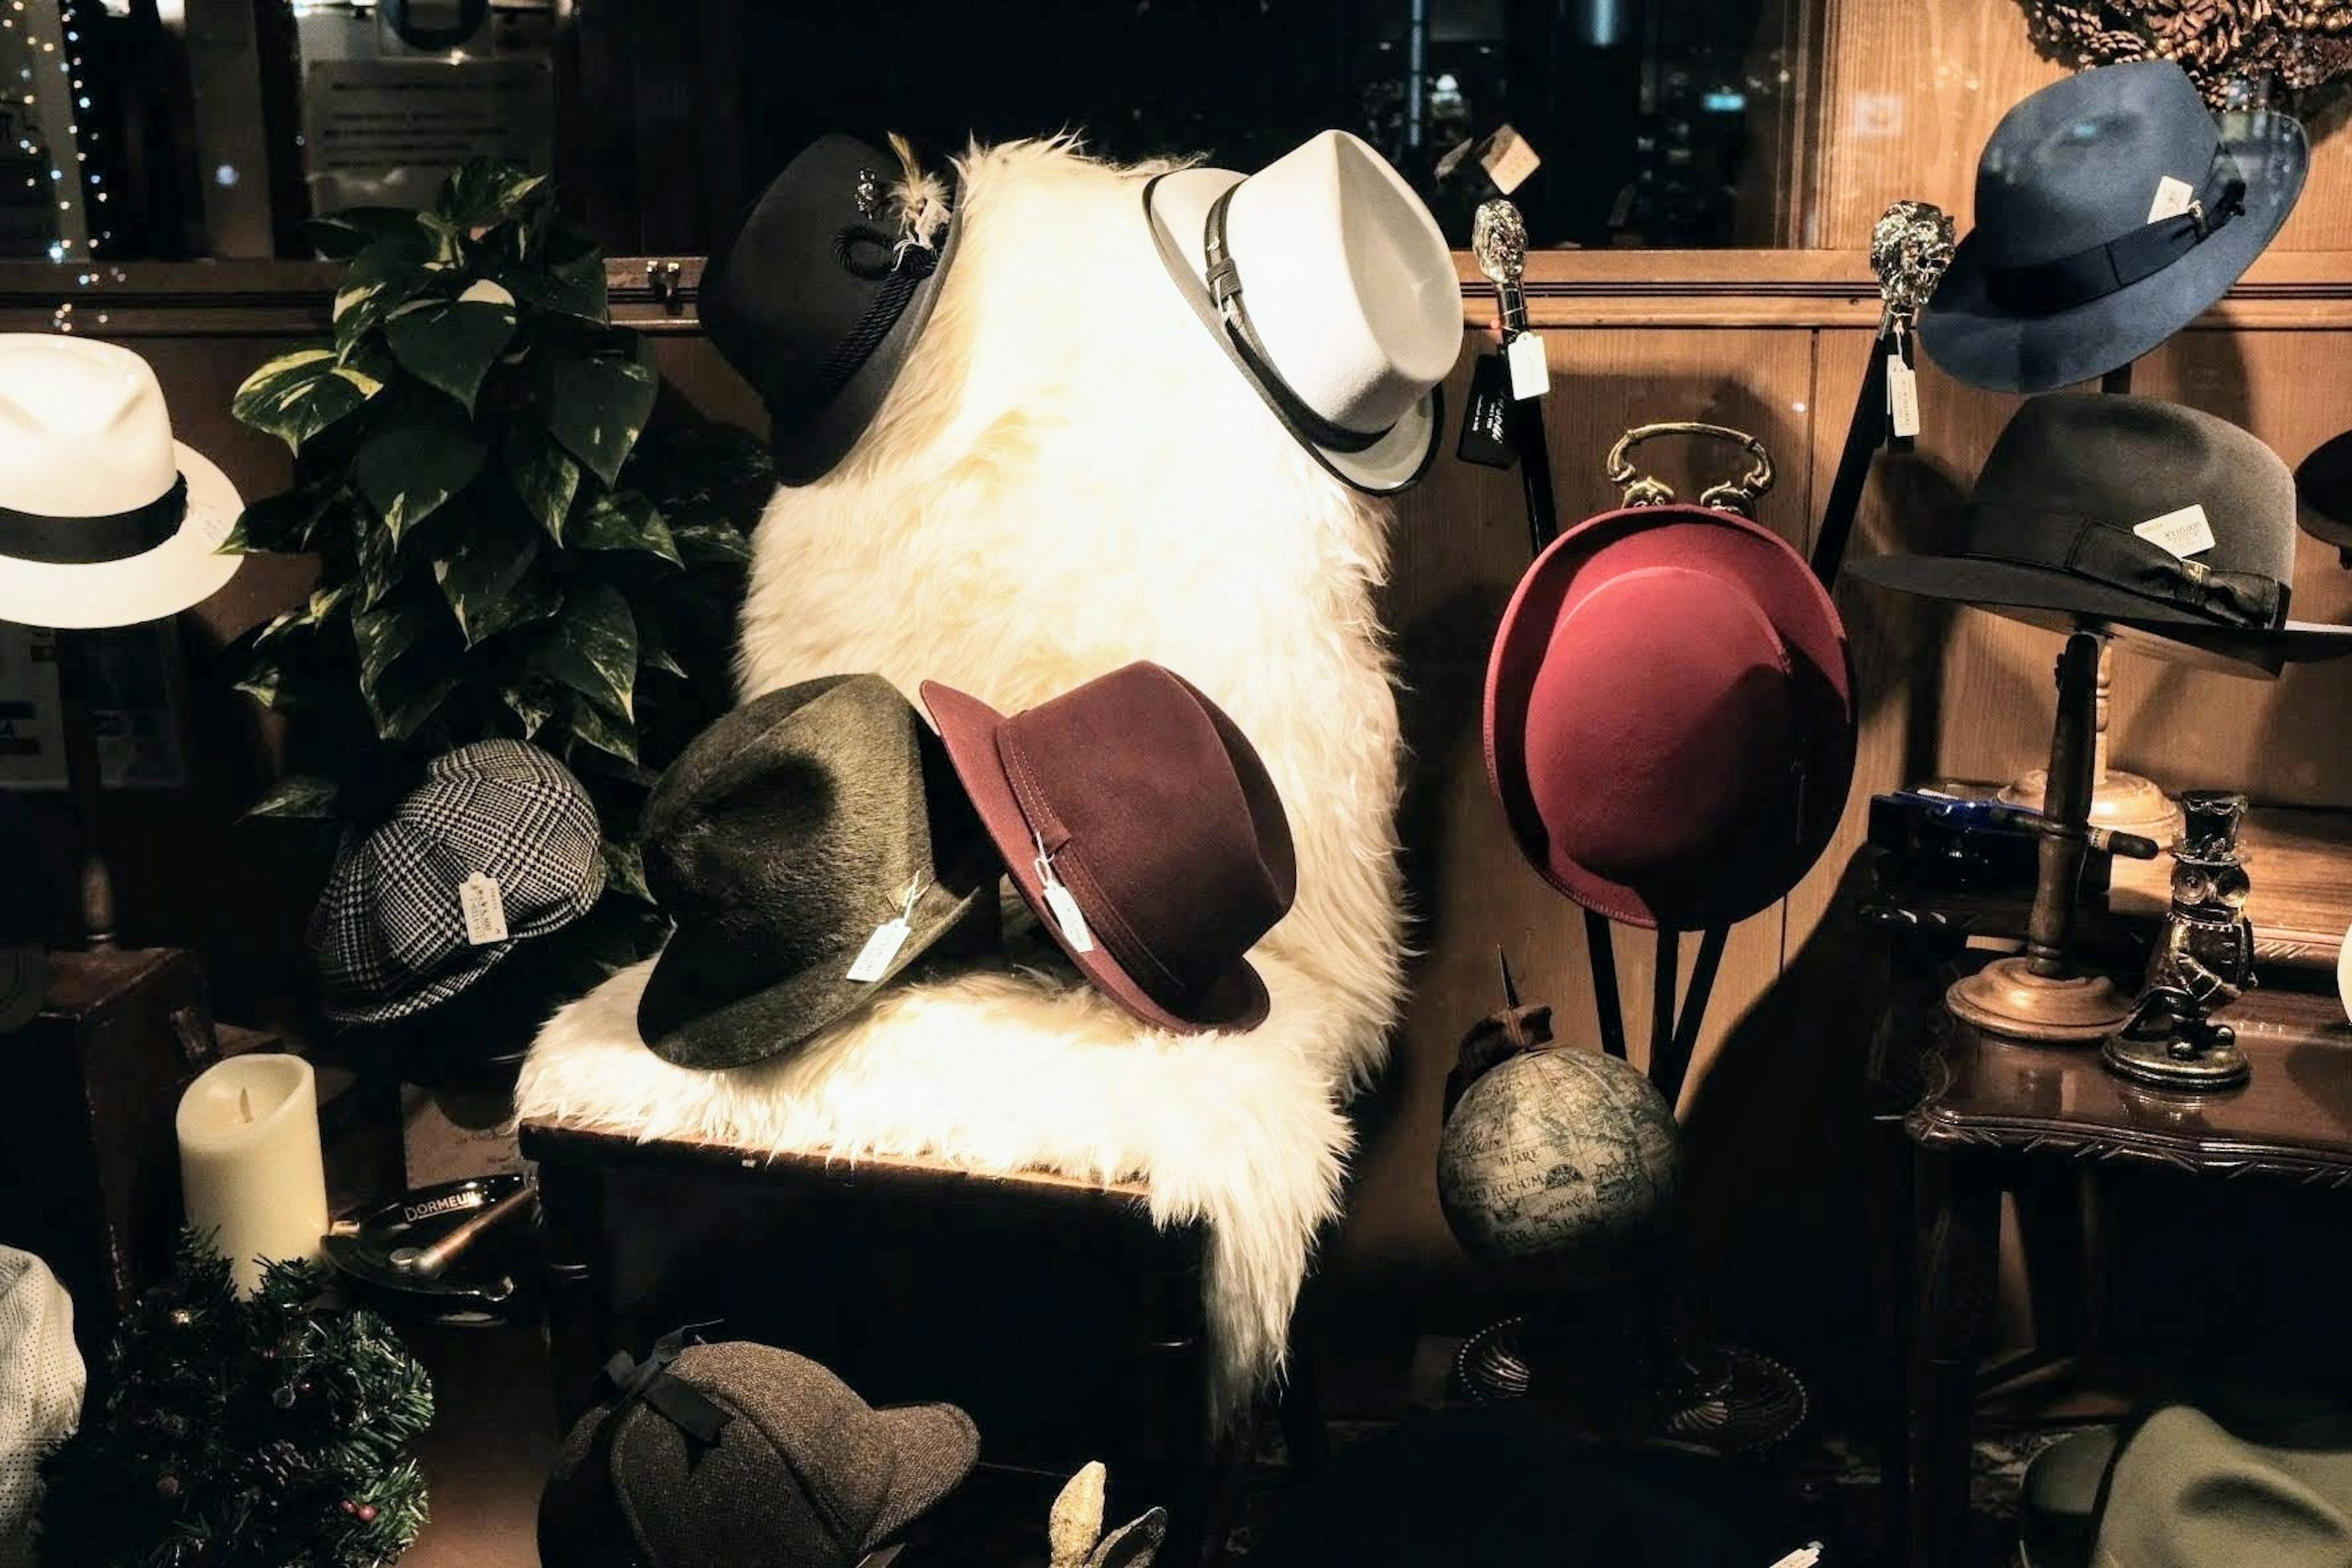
point(1069, 475)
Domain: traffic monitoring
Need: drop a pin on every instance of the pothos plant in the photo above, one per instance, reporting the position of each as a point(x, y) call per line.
point(504, 548)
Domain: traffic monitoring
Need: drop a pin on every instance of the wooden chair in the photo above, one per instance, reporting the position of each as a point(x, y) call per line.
point(1053, 1310)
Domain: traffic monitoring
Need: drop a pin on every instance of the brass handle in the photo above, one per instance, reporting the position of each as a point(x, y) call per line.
point(1739, 495)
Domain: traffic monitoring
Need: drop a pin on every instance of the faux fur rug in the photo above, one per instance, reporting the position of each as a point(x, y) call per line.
point(1069, 475)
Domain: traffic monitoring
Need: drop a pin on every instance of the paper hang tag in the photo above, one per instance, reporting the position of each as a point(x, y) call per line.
point(1902, 398)
point(1508, 160)
point(2172, 199)
point(1806, 1556)
point(1486, 416)
point(485, 909)
point(1069, 917)
point(2185, 532)
point(873, 959)
point(1531, 372)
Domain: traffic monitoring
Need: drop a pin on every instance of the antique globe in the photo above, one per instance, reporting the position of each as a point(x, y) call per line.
point(1559, 1167)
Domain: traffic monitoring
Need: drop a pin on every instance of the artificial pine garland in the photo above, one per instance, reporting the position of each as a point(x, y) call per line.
point(262, 1433)
point(2302, 44)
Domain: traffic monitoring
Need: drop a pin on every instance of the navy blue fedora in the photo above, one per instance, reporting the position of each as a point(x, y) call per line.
point(2112, 209)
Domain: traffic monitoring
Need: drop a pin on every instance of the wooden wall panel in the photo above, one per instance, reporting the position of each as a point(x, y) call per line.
point(1911, 91)
point(1460, 548)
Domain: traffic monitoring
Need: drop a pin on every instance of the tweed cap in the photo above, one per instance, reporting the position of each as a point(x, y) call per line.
point(390, 931)
point(742, 1455)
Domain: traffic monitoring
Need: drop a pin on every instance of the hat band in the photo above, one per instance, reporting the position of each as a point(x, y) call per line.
point(2049, 286)
point(94, 540)
point(1224, 281)
point(2121, 559)
point(913, 263)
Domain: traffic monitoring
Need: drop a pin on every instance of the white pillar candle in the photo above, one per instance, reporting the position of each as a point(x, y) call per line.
point(250, 1165)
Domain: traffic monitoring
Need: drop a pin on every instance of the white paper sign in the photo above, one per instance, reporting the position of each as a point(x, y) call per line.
point(2172, 199)
point(485, 908)
point(1901, 397)
point(2185, 532)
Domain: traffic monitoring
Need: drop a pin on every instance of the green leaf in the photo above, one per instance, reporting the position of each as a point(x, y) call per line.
point(484, 192)
point(451, 344)
point(297, 395)
point(596, 404)
point(568, 281)
point(409, 470)
point(543, 476)
point(624, 870)
point(486, 580)
point(279, 524)
point(591, 725)
point(402, 718)
point(382, 634)
point(298, 795)
point(593, 649)
point(400, 232)
point(269, 683)
point(711, 543)
point(622, 519)
point(534, 702)
point(379, 557)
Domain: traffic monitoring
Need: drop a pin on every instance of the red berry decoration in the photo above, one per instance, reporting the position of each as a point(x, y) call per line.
point(363, 1511)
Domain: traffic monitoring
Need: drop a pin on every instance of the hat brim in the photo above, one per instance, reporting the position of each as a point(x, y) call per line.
point(177, 574)
point(1790, 596)
point(806, 450)
point(1176, 205)
point(679, 1024)
point(2045, 596)
point(1979, 342)
point(1235, 1000)
point(2322, 486)
point(937, 1446)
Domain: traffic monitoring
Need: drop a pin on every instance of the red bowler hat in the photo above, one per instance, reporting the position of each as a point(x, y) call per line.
point(1669, 716)
point(1136, 818)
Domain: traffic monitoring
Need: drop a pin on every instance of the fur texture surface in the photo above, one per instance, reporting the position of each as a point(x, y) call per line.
point(1068, 476)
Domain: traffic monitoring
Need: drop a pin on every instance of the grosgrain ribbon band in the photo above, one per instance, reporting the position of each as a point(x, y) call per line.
point(2049, 287)
point(94, 540)
point(1224, 280)
point(651, 1382)
point(2103, 552)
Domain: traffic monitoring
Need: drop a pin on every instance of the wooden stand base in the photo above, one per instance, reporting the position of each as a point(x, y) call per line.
point(2120, 803)
point(2007, 997)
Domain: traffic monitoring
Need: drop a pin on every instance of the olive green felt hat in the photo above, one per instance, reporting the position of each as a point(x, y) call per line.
point(813, 847)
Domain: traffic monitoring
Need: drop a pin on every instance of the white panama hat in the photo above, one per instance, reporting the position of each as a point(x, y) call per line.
point(1335, 296)
point(105, 520)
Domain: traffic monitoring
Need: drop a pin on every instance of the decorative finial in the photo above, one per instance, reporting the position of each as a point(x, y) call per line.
point(1910, 246)
point(1498, 238)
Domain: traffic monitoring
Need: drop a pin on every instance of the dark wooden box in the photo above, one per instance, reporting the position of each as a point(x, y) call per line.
point(1053, 1310)
point(89, 1171)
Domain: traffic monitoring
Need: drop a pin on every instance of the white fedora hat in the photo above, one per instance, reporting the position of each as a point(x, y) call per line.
point(1327, 283)
point(105, 520)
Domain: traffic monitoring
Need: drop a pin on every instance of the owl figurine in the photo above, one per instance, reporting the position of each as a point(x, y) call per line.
point(2205, 957)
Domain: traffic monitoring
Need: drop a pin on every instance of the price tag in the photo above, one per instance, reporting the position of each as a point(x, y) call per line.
point(1508, 160)
point(1530, 372)
point(873, 961)
point(485, 909)
point(2185, 532)
point(1902, 398)
point(1069, 917)
point(2172, 199)
point(1486, 416)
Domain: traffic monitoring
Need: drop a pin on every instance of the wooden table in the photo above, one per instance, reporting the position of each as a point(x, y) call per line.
point(1992, 1110)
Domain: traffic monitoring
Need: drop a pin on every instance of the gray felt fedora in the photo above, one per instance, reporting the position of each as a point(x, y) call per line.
point(782, 840)
point(2132, 512)
point(742, 1456)
point(2111, 210)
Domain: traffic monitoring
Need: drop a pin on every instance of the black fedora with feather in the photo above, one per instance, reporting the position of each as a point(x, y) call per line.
point(826, 287)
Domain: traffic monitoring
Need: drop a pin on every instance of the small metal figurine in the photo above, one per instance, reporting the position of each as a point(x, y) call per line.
point(1910, 246)
point(2203, 960)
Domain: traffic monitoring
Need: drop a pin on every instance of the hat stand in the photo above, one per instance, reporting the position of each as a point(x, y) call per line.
point(77, 658)
point(2040, 995)
point(2120, 802)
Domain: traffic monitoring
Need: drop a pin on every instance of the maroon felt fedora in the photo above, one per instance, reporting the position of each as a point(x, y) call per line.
point(1138, 821)
point(1669, 716)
